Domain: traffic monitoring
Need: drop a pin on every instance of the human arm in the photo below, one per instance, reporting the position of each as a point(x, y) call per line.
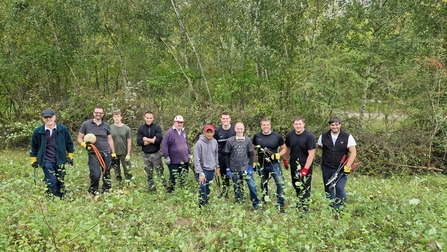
point(81, 138)
point(310, 158)
point(111, 144)
point(352, 155)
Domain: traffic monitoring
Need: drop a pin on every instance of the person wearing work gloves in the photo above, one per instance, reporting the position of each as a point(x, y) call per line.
point(52, 147)
point(266, 144)
point(239, 159)
point(175, 150)
point(106, 150)
point(149, 137)
point(225, 131)
point(206, 162)
point(301, 150)
point(122, 140)
point(336, 143)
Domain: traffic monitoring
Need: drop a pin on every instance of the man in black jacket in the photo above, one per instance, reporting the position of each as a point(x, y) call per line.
point(335, 144)
point(149, 137)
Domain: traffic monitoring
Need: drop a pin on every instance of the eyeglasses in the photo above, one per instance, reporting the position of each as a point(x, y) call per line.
point(47, 117)
point(178, 122)
point(99, 113)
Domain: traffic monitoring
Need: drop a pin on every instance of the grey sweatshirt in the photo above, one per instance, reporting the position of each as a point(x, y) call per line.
point(205, 154)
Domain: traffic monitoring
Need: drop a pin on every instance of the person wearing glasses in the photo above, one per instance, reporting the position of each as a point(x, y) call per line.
point(175, 150)
point(106, 150)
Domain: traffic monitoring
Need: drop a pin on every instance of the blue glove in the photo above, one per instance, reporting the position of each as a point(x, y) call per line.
point(228, 173)
point(250, 170)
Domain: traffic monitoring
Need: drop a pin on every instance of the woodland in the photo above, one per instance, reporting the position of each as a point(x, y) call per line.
point(377, 64)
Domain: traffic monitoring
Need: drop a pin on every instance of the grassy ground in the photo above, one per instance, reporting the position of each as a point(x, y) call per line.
point(382, 214)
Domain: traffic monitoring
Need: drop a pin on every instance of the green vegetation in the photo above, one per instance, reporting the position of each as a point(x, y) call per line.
point(378, 65)
point(399, 213)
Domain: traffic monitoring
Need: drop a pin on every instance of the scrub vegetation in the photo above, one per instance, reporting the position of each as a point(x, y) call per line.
point(397, 213)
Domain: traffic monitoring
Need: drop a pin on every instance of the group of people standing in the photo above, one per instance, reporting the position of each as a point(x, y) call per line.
point(220, 154)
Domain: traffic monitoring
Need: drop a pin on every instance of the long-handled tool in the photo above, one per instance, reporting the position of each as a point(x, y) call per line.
point(337, 174)
point(353, 167)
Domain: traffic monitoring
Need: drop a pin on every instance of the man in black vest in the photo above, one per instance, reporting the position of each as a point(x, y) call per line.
point(336, 143)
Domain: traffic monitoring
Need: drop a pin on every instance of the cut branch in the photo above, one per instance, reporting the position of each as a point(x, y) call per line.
point(421, 167)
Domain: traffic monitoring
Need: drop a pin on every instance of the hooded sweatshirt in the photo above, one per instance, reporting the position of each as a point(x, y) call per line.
point(206, 154)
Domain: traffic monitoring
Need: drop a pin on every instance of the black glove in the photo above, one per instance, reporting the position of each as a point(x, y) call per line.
point(115, 161)
point(69, 161)
point(35, 165)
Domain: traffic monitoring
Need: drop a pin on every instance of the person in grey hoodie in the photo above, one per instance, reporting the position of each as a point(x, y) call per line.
point(206, 161)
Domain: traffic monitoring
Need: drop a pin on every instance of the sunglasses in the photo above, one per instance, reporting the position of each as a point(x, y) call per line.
point(178, 122)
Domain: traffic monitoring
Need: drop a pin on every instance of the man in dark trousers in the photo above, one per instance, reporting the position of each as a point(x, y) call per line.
point(221, 135)
point(336, 143)
point(301, 148)
point(101, 161)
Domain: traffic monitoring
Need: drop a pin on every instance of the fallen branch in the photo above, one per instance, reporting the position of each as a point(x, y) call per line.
point(421, 167)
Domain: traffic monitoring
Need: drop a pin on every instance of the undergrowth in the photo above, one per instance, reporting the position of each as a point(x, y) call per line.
point(405, 213)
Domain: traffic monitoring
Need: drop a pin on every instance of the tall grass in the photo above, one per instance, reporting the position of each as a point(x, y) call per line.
point(382, 214)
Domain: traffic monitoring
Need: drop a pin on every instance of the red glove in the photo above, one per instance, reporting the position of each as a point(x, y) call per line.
point(286, 165)
point(304, 172)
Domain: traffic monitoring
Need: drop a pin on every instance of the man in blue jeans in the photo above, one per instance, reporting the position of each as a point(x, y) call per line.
point(336, 143)
point(239, 157)
point(206, 162)
point(267, 143)
point(51, 147)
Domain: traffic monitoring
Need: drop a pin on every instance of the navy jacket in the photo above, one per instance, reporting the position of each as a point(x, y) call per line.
point(64, 144)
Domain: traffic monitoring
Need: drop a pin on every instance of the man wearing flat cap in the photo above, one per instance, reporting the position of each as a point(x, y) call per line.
point(52, 147)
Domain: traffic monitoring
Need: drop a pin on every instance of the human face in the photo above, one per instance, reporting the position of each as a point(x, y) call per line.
point(209, 134)
point(117, 119)
point(178, 125)
point(49, 121)
point(148, 118)
point(225, 120)
point(335, 127)
point(298, 126)
point(98, 114)
point(239, 128)
point(266, 127)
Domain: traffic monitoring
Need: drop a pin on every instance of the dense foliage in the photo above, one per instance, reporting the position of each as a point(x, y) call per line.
point(383, 214)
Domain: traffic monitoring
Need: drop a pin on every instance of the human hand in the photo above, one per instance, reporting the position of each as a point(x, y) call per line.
point(70, 159)
point(275, 156)
point(250, 170)
point(33, 162)
point(228, 173)
point(167, 160)
point(115, 160)
point(86, 145)
point(202, 178)
point(347, 169)
point(304, 171)
point(286, 164)
point(191, 158)
point(127, 159)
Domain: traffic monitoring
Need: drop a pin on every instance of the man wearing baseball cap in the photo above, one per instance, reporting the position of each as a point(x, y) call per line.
point(50, 144)
point(175, 150)
point(206, 162)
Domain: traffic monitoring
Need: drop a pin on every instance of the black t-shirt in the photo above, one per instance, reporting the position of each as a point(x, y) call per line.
point(300, 146)
point(222, 136)
point(271, 142)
